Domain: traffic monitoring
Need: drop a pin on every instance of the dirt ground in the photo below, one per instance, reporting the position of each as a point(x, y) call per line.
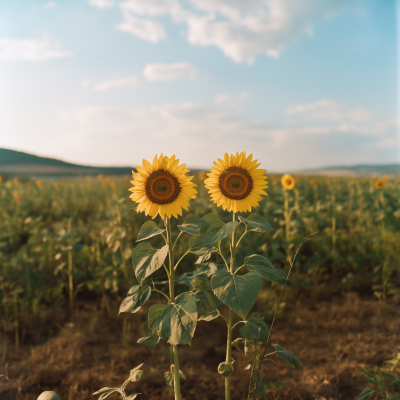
point(333, 338)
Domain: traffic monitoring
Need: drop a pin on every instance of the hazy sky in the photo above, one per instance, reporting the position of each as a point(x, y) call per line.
point(298, 83)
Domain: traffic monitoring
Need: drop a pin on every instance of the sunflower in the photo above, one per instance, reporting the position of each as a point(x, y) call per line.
point(313, 182)
point(288, 181)
point(379, 184)
point(236, 183)
point(162, 187)
point(202, 175)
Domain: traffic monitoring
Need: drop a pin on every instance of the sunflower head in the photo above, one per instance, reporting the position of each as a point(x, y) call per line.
point(386, 177)
point(236, 183)
point(202, 176)
point(162, 187)
point(288, 181)
point(100, 177)
point(379, 184)
point(39, 184)
point(313, 182)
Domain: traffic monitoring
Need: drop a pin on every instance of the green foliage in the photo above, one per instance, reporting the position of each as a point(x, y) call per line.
point(175, 322)
point(138, 296)
point(255, 222)
point(146, 260)
point(134, 376)
point(255, 329)
point(291, 359)
point(214, 230)
point(225, 368)
point(264, 268)
point(191, 225)
point(238, 292)
point(148, 230)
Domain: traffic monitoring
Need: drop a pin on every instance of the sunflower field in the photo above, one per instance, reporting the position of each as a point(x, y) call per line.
point(70, 266)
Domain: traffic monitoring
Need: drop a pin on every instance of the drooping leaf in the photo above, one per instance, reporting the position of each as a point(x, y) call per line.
point(207, 303)
point(175, 322)
point(393, 397)
point(209, 317)
point(134, 302)
point(149, 341)
point(169, 379)
point(213, 229)
point(238, 292)
point(225, 368)
point(105, 392)
point(367, 394)
point(189, 278)
point(146, 260)
point(290, 358)
point(264, 268)
point(198, 247)
point(255, 222)
point(148, 230)
point(191, 225)
point(368, 379)
point(255, 329)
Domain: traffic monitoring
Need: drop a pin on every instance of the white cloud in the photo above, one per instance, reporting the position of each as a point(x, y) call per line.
point(187, 129)
point(31, 49)
point(169, 72)
point(242, 29)
point(331, 111)
point(49, 4)
point(222, 98)
point(101, 3)
point(117, 83)
point(145, 29)
point(244, 95)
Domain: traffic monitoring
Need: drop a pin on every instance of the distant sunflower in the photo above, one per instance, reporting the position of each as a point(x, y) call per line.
point(379, 184)
point(236, 183)
point(202, 175)
point(288, 182)
point(313, 182)
point(162, 187)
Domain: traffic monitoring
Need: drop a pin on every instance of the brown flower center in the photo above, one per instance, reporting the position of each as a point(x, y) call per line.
point(162, 187)
point(288, 182)
point(235, 183)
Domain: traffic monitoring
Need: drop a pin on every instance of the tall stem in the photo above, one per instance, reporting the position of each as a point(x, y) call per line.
point(177, 383)
point(230, 320)
point(70, 272)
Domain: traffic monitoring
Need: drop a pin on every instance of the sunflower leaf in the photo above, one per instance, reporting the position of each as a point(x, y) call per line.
point(146, 260)
point(255, 329)
point(191, 225)
point(238, 292)
point(148, 230)
point(207, 303)
point(149, 341)
point(175, 322)
point(264, 268)
point(213, 229)
point(134, 302)
point(255, 222)
point(290, 358)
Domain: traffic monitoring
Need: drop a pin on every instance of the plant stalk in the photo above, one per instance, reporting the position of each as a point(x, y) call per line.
point(230, 320)
point(70, 279)
point(177, 383)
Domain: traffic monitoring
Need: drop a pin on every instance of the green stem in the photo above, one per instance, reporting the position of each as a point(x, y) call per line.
point(230, 320)
point(177, 384)
point(70, 272)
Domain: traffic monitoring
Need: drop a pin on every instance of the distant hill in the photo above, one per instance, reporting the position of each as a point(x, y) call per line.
point(24, 165)
point(361, 169)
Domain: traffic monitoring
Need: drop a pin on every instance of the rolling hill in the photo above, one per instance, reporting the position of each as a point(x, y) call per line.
point(24, 165)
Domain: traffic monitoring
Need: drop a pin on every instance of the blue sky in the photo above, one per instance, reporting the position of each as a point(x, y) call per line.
point(298, 84)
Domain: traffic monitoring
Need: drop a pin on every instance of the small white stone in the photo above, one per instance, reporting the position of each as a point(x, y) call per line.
point(48, 395)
